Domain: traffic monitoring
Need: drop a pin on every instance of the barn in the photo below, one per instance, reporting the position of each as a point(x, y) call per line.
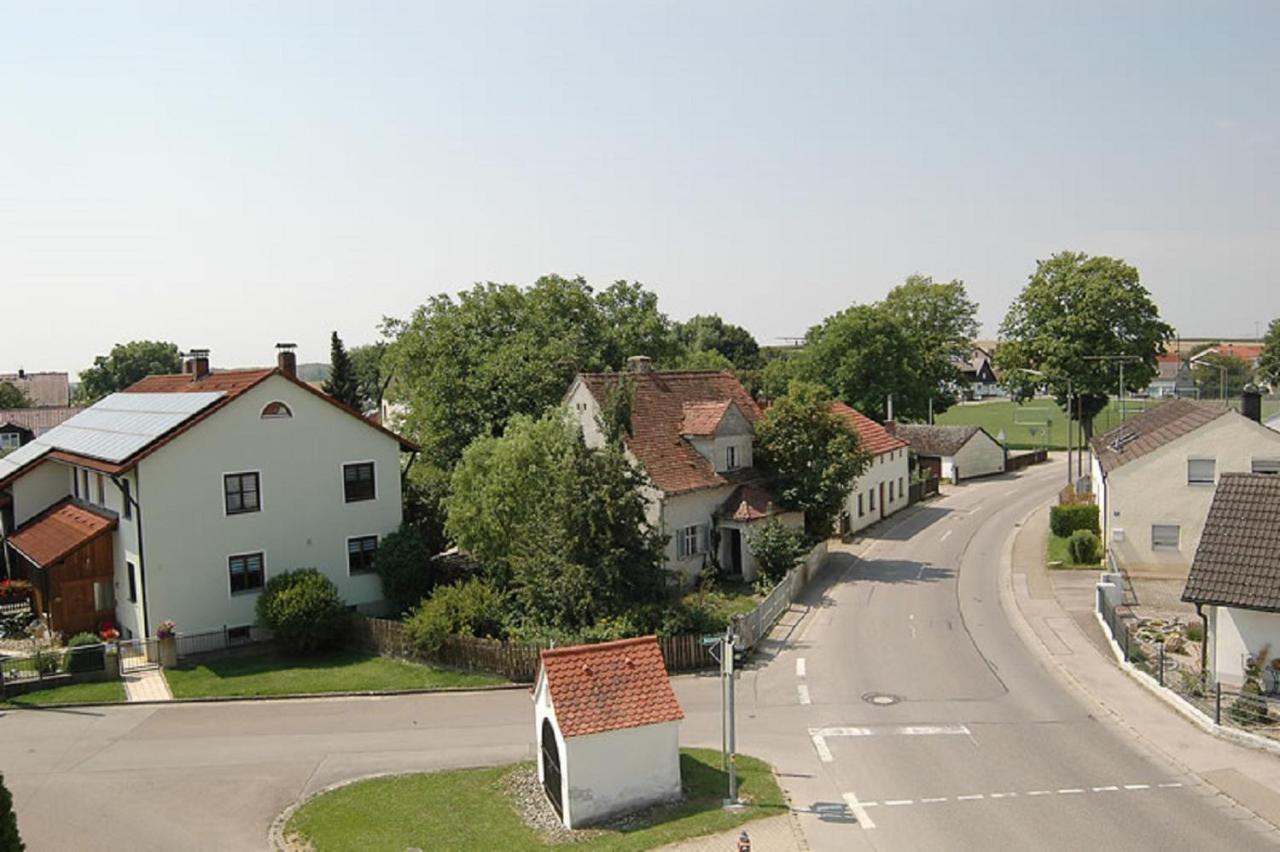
point(952, 452)
point(607, 725)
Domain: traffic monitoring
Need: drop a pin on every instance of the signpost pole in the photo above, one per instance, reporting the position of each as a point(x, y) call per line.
point(726, 669)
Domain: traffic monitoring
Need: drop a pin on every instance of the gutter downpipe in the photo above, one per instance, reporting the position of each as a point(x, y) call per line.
point(1204, 641)
point(132, 497)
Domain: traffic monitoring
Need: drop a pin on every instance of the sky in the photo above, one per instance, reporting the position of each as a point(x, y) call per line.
point(230, 175)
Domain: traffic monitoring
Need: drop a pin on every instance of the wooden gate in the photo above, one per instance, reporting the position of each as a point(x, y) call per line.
point(551, 766)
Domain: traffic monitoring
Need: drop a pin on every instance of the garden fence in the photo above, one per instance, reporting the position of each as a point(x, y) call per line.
point(217, 641)
point(923, 489)
point(1021, 460)
point(753, 626)
point(55, 667)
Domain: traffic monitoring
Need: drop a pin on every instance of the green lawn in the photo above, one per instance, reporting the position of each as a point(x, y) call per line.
point(1057, 552)
point(727, 600)
point(279, 674)
point(997, 415)
point(470, 809)
point(75, 693)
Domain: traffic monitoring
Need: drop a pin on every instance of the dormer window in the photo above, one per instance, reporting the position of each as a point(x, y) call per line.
point(276, 411)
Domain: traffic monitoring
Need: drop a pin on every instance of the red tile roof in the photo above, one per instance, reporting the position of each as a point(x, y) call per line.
point(875, 439)
point(658, 418)
point(610, 686)
point(59, 530)
point(750, 501)
point(702, 418)
point(1249, 352)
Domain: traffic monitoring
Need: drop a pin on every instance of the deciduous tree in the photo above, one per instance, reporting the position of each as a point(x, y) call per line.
point(941, 321)
point(863, 355)
point(1208, 374)
point(1269, 363)
point(12, 396)
point(125, 364)
point(708, 332)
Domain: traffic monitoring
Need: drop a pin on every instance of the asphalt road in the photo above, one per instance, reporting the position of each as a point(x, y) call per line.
point(982, 747)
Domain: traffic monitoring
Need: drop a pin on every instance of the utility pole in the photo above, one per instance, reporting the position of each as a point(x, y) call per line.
point(1120, 359)
point(726, 673)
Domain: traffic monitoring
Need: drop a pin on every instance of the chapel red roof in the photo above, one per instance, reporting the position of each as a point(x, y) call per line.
point(658, 417)
point(875, 439)
point(230, 382)
point(59, 530)
point(609, 686)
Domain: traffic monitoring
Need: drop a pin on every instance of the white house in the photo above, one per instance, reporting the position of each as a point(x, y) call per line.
point(692, 435)
point(883, 487)
point(1235, 577)
point(213, 481)
point(607, 725)
point(952, 452)
point(1153, 478)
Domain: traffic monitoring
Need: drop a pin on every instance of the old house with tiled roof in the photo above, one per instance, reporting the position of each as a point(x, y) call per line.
point(691, 432)
point(188, 491)
point(607, 725)
point(883, 487)
point(1235, 576)
point(952, 452)
point(1153, 478)
point(44, 389)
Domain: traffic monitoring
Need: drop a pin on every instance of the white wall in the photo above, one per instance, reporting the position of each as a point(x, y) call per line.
point(885, 468)
point(981, 455)
point(616, 772)
point(683, 510)
point(1236, 634)
point(304, 521)
point(751, 568)
point(38, 489)
point(1153, 489)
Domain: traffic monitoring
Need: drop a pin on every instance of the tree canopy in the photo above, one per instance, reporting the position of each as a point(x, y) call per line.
point(12, 396)
point(366, 365)
point(342, 384)
point(558, 526)
point(125, 364)
point(707, 333)
point(941, 321)
point(811, 456)
point(1269, 363)
point(1075, 306)
point(1209, 370)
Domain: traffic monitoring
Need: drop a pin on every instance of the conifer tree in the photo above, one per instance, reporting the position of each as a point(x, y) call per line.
point(342, 384)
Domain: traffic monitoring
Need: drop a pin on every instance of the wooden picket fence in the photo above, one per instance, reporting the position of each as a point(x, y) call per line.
point(517, 661)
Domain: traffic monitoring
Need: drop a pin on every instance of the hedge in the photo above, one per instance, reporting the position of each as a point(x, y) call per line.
point(1064, 520)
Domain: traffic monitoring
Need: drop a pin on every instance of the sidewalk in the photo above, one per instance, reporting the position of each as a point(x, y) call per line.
point(774, 834)
point(1058, 609)
point(146, 685)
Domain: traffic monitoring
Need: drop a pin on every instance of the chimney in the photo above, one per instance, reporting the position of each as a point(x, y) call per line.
point(639, 364)
point(1251, 403)
point(22, 374)
point(197, 364)
point(287, 358)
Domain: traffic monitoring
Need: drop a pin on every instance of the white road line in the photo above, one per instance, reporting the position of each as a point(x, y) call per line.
point(1169, 786)
point(946, 535)
point(972, 797)
point(1111, 789)
point(820, 745)
point(933, 800)
point(1137, 786)
point(1040, 793)
point(891, 730)
point(1004, 795)
point(804, 694)
point(799, 666)
point(892, 802)
point(1070, 790)
point(858, 811)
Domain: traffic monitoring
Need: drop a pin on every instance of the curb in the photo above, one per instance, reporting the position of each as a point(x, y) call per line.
point(275, 834)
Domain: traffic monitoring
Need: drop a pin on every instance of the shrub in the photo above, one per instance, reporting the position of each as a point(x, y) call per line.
point(403, 563)
point(10, 840)
point(1064, 520)
point(303, 611)
point(776, 547)
point(89, 660)
point(1085, 547)
point(473, 608)
point(1195, 632)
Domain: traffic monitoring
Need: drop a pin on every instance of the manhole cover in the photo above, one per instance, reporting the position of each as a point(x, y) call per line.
point(881, 699)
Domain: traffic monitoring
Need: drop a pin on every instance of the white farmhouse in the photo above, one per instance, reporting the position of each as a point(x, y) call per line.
point(607, 724)
point(883, 487)
point(1153, 479)
point(1235, 576)
point(691, 433)
point(952, 452)
point(210, 483)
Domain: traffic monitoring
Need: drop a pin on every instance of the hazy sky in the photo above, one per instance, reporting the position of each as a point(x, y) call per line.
point(229, 175)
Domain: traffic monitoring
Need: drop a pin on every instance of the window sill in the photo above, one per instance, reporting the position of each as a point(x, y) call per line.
point(246, 593)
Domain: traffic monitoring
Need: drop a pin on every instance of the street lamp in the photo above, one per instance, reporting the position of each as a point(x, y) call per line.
point(1222, 369)
point(1042, 374)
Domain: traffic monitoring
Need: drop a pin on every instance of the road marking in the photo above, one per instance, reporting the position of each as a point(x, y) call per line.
point(1040, 793)
point(1137, 786)
point(972, 797)
point(1170, 786)
point(893, 802)
point(1111, 789)
point(804, 694)
point(1004, 795)
point(799, 666)
point(820, 745)
point(1070, 790)
point(933, 800)
point(820, 735)
point(859, 813)
point(946, 534)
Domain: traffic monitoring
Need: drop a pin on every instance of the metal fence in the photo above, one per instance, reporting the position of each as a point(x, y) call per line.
point(218, 641)
point(55, 667)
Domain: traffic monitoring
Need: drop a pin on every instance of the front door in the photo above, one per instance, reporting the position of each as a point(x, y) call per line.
point(551, 766)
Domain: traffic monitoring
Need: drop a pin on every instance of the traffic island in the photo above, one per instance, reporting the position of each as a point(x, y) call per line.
point(505, 808)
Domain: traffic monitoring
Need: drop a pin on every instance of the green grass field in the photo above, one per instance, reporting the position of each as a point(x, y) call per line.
point(75, 693)
point(272, 674)
point(422, 811)
point(1024, 424)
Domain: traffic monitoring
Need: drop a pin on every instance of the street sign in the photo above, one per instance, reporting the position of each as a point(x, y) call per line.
point(713, 644)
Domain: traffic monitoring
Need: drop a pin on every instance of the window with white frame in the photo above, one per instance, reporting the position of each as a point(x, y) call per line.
point(358, 482)
point(1258, 465)
point(241, 492)
point(360, 552)
point(690, 541)
point(247, 573)
point(10, 440)
point(1165, 536)
point(1200, 471)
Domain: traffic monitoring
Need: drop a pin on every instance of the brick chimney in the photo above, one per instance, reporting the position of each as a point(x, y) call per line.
point(287, 358)
point(639, 364)
point(197, 364)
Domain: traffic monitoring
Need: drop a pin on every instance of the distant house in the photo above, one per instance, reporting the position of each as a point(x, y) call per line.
point(181, 496)
point(952, 452)
point(883, 487)
point(1235, 576)
point(1153, 478)
point(20, 426)
point(692, 433)
point(45, 390)
point(1173, 378)
point(1250, 353)
point(980, 374)
point(607, 725)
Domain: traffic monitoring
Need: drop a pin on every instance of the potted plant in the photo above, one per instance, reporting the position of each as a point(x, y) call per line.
point(167, 633)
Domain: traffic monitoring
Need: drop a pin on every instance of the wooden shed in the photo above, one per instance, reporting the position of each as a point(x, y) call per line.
point(607, 724)
point(66, 553)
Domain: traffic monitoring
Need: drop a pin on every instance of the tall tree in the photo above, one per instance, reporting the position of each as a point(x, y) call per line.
point(1210, 369)
point(863, 355)
point(560, 526)
point(942, 321)
point(634, 325)
point(342, 383)
point(810, 455)
point(12, 396)
point(709, 332)
point(366, 364)
point(126, 364)
point(1075, 306)
point(1269, 363)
